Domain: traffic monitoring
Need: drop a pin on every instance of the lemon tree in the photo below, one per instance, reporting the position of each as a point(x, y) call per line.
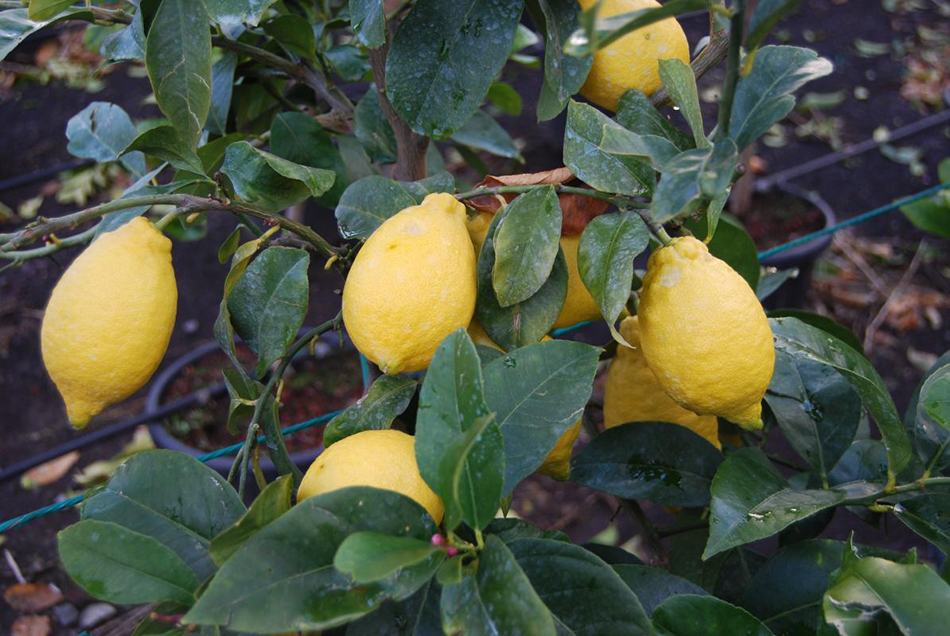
point(458, 291)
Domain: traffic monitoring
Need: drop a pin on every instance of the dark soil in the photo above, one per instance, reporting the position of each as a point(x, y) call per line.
point(778, 217)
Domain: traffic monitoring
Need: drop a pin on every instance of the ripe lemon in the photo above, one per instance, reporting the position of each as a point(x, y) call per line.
point(632, 393)
point(579, 305)
point(381, 459)
point(109, 319)
point(704, 333)
point(632, 61)
point(411, 285)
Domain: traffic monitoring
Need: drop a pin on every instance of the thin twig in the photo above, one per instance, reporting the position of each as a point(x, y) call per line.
point(732, 70)
point(852, 255)
point(882, 314)
point(708, 58)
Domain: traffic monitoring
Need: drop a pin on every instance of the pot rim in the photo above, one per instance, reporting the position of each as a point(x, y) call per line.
point(806, 251)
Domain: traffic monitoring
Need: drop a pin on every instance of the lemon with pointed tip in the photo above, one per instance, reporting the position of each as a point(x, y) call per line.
point(381, 459)
point(633, 60)
point(109, 319)
point(632, 394)
point(411, 285)
point(704, 333)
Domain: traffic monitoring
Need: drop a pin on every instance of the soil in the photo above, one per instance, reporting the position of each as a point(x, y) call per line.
point(779, 217)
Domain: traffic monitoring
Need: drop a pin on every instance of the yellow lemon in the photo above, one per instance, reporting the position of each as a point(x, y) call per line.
point(480, 337)
point(380, 459)
point(411, 285)
point(704, 333)
point(632, 61)
point(632, 393)
point(109, 319)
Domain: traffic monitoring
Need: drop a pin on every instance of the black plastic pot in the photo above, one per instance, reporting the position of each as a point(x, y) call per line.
point(327, 347)
point(793, 293)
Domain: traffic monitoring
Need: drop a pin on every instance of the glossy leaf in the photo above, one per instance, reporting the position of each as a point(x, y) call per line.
point(418, 615)
point(717, 171)
point(166, 143)
point(231, 15)
point(933, 402)
point(751, 501)
point(372, 128)
point(368, 18)
point(269, 302)
point(266, 180)
point(118, 565)
point(386, 400)
point(299, 138)
point(680, 82)
point(16, 26)
point(928, 436)
point(652, 586)
point(294, 33)
point(537, 392)
point(665, 463)
point(482, 132)
point(690, 615)
point(127, 43)
point(271, 503)
point(444, 57)
point(605, 256)
point(172, 498)
point(348, 61)
point(678, 193)
point(505, 97)
point(297, 582)
point(824, 323)
point(584, 593)
point(766, 15)
point(563, 74)
point(526, 245)
point(636, 113)
point(368, 202)
point(498, 599)
point(458, 443)
point(617, 141)
point(512, 529)
point(927, 516)
point(101, 131)
point(369, 556)
point(865, 460)
point(178, 59)
point(222, 86)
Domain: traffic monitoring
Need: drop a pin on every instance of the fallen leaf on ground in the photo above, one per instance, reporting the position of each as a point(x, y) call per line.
point(32, 597)
point(100, 471)
point(31, 626)
point(50, 472)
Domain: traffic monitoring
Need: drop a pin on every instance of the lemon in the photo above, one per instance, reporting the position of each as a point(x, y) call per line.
point(579, 305)
point(704, 333)
point(411, 285)
point(480, 337)
point(632, 393)
point(109, 319)
point(632, 61)
point(381, 459)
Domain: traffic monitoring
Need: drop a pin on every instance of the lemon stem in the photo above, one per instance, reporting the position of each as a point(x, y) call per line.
point(163, 222)
point(662, 235)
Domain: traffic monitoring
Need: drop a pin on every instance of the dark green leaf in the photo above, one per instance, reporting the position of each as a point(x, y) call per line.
point(297, 581)
point(678, 193)
point(764, 97)
point(372, 128)
point(268, 181)
point(665, 463)
point(612, 554)
point(718, 169)
point(928, 436)
point(772, 279)
point(458, 442)
point(766, 15)
point(178, 59)
point(584, 593)
point(230, 245)
point(499, 599)
point(604, 171)
point(799, 339)
point(370, 556)
point(348, 61)
point(269, 302)
point(418, 615)
point(231, 15)
point(732, 244)
point(301, 139)
point(127, 43)
point(933, 402)
point(368, 202)
point(605, 256)
point(929, 516)
point(386, 400)
point(482, 132)
point(824, 323)
point(118, 565)
point(172, 498)
point(526, 245)
point(165, 142)
point(599, 34)
point(617, 141)
point(444, 57)
point(368, 18)
point(271, 503)
point(636, 113)
point(690, 615)
point(222, 85)
point(243, 392)
point(294, 33)
point(101, 131)
point(751, 501)
point(511, 529)
point(451, 571)
point(505, 97)
point(865, 460)
point(652, 586)
point(538, 392)
point(16, 26)
point(680, 82)
point(563, 74)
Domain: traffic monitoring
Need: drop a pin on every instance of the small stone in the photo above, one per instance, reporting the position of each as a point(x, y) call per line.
point(94, 614)
point(191, 326)
point(65, 614)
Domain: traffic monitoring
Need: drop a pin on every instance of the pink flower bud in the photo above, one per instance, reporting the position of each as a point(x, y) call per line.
point(451, 551)
point(438, 539)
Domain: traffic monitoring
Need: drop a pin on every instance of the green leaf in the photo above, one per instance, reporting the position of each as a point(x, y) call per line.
point(772, 279)
point(101, 131)
point(222, 86)
point(269, 302)
point(126, 44)
point(933, 402)
point(680, 82)
point(526, 245)
point(458, 443)
point(538, 392)
point(243, 392)
point(521, 323)
point(368, 202)
point(172, 498)
point(766, 15)
point(418, 615)
point(690, 615)
point(751, 501)
point(928, 436)
point(294, 33)
point(482, 132)
point(763, 97)
point(41, 10)
point(511, 529)
point(824, 323)
point(165, 142)
point(16, 26)
point(678, 194)
point(299, 138)
point(506, 98)
point(498, 599)
point(628, 175)
point(118, 565)
point(927, 516)
point(652, 586)
point(270, 504)
point(584, 593)
point(930, 215)
point(718, 169)
point(816, 408)
point(865, 460)
point(732, 244)
point(368, 18)
point(599, 34)
point(297, 581)
point(231, 15)
point(140, 188)
point(369, 556)
point(786, 592)
point(563, 74)
point(620, 142)
point(636, 113)
point(268, 181)
point(665, 463)
point(386, 400)
point(914, 595)
point(444, 57)
point(349, 61)
point(605, 256)
point(372, 128)
point(799, 339)
point(178, 59)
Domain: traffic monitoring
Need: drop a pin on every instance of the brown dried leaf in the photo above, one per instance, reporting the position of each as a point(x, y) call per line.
point(31, 626)
point(50, 472)
point(32, 597)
